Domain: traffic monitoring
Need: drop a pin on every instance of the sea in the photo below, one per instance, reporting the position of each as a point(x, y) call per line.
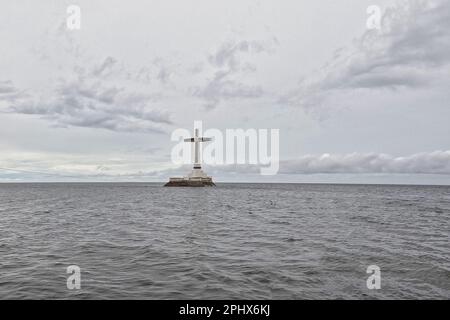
point(233, 241)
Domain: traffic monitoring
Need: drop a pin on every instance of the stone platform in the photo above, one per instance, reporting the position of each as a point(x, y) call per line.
point(190, 182)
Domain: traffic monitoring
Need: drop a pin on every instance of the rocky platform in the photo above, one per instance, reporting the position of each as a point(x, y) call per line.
point(190, 182)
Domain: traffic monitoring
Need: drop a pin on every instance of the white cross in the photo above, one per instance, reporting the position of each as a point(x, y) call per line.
point(196, 140)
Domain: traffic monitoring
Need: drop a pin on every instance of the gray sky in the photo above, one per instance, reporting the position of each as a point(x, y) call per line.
point(100, 103)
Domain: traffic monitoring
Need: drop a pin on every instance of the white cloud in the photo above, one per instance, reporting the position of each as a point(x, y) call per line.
point(437, 162)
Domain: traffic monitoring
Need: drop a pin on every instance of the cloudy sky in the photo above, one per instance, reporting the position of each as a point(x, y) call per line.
point(352, 104)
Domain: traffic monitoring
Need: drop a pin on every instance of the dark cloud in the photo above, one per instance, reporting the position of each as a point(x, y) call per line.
point(413, 43)
point(228, 54)
point(228, 68)
point(6, 87)
point(105, 67)
point(221, 87)
point(9, 93)
point(89, 101)
point(410, 51)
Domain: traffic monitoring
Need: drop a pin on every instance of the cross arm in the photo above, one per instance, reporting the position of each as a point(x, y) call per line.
point(200, 139)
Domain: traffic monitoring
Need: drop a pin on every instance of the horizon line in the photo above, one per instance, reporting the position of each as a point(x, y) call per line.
point(224, 182)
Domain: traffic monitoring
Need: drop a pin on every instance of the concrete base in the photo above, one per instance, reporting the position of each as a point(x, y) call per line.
point(190, 182)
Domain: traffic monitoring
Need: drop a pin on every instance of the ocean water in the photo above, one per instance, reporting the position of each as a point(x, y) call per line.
point(246, 241)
